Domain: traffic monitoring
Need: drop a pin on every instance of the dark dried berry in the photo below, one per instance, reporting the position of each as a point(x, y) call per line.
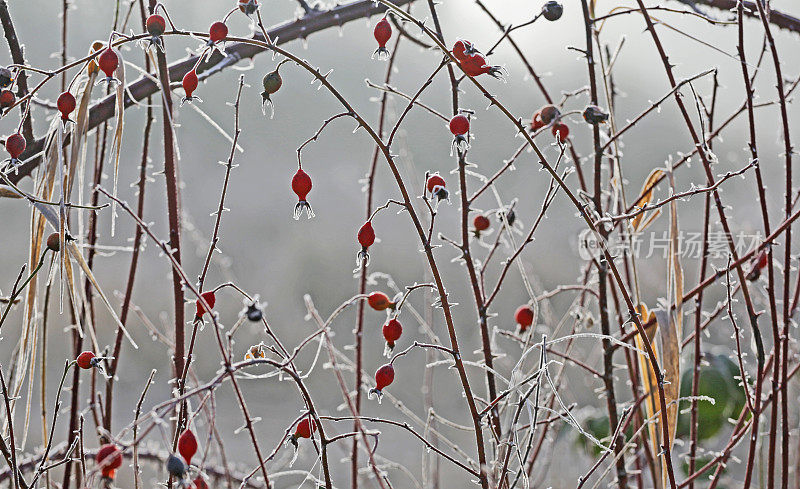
point(594, 115)
point(552, 10)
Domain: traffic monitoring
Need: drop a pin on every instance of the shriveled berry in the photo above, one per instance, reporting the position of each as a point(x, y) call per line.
point(301, 186)
point(6, 77)
point(176, 467)
point(217, 32)
point(254, 312)
point(382, 33)
point(384, 376)
point(108, 62)
point(594, 115)
point(272, 82)
point(109, 458)
point(15, 145)
point(507, 214)
point(187, 445)
point(87, 359)
point(392, 331)
point(66, 104)
point(560, 131)
point(552, 10)
point(524, 317)
point(155, 25)
point(211, 299)
point(249, 7)
point(549, 113)
point(54, 242)
point(380, 301)
point(7, 99)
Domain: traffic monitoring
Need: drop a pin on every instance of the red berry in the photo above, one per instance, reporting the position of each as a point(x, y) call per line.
point(305, 428)
point(758, 264)
point(366, 235)
point(524, 317)
point(187, 445)
point(392, 331)
point(66, 104)
point(380, 301)
point(481, 223)
point(210, 299)
point(435, 181)
point(155, 25)
point(15, 145)
point(459, 125)
point(382, 33)
point(190, 82)
point(537, 122)
point(109, 458)
point(383, 378)
point(108, 62)
point(475, 64)
point(560, 131)
point(7, 99)
point(200, 483)
point(217, 32)
point(463, 48)
point(86, 360)
point(301, 185)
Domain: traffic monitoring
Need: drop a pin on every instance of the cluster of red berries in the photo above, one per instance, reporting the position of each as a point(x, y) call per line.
point(473, 62)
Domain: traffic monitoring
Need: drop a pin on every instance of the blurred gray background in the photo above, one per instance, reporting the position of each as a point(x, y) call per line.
point(268, 253)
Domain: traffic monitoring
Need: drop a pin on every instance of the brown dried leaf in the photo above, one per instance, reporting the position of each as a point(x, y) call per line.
point(639, 222)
